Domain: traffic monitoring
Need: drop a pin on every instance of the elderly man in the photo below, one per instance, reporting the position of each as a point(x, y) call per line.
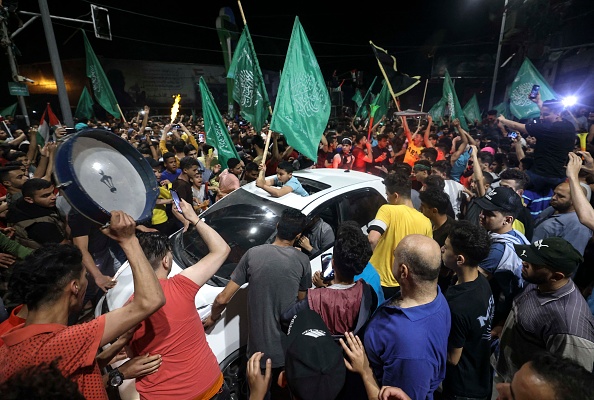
point(407, 337)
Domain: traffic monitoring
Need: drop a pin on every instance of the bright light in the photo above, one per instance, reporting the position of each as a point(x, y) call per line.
point(96, 166)
point(253, 230)
point(569, 101)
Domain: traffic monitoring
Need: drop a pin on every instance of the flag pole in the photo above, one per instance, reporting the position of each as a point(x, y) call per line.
point(269, 134)
point(424, 93)
point(387, 81)
point(121, 113)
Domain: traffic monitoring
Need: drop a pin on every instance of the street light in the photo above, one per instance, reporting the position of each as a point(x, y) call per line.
point(494, 83)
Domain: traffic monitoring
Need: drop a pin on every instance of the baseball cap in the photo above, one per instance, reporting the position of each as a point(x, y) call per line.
point(501, 199)
point(314, 364)
point(554, 252)
point(489, 149)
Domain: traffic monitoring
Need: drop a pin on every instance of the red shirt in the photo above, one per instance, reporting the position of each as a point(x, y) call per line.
point(175, 331)
point(76, 347)
point(11, 322)
point(359, 164)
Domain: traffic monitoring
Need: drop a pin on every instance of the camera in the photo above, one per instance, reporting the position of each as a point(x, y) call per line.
point(534, 91)
point(327, 270)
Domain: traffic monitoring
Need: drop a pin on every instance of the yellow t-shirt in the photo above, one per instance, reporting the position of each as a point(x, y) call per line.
point(399, 221)
point(159, 212)
point(413, 154)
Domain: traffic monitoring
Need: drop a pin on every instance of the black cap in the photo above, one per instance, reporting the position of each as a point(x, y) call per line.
point(501, 199)
point(554, 252)
point(313, 360)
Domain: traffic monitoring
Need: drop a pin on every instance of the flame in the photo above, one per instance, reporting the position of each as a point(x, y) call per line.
point(175, 107)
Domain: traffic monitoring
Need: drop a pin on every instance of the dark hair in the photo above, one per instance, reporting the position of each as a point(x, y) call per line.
point(34, 184)
point(188, 162)
point(430, 153)
point(258, 141)
point(5, 171)
point(435, 198)
point(14, 155)
point(568, 379)
point(554, 105)
point(251, 166)
point(527, 162)
point(42, 381)
point(286, 166)
point(382, 136)
point(188, 148)
point(40, 278)
point(485, 157)
point(443, 166)
point(492, 112)
point(520, 177)
point(233, 162)
point(168, 155)
point(155, 246)
point(435, 182)
point(352, 250)
point(359, 137)
point(290, 224)
point(179, 145)
point(470, 240)
point(398, 182)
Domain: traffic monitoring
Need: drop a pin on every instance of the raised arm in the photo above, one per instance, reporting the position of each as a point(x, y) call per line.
point(144, 119)
point(582, 206)
point(218, 249)
point(428, 132)
point(513, 125)
point(148, 294)
point(478, 172)
point(406, 129)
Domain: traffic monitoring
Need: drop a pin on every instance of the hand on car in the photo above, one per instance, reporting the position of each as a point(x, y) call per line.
point(105, 282)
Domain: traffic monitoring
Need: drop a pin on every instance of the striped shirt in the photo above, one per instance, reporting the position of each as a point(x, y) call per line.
point(559, 322)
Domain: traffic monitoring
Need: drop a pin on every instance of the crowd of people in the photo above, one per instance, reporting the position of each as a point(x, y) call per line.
point(474, 278)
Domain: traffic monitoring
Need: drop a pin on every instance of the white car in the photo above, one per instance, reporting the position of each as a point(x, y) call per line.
point(246, 218)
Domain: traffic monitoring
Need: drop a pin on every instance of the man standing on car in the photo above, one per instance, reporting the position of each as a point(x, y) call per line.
point(278, 274)
point(190, 369)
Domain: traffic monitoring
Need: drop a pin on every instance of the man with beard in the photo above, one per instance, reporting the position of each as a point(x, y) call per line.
point(560, 219)
point(550, 314)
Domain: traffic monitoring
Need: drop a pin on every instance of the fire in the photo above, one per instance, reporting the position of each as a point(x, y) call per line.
point(175, 108)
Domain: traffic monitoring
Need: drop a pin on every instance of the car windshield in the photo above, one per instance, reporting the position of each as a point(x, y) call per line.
point(244, 220)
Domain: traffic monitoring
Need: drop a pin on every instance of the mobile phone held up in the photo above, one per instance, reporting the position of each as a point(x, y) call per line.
point(327, 270)
point(534, 91)
point(513, 135)
point(176, 201)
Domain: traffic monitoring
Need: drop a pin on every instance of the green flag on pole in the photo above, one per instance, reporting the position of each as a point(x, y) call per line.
point(452, 103)
point(10, 110)
point(357, 99)
point(101, 88)
point(520, 105)
point(471, 110)
point(216, 130)
point(302, 105)
point(363, 110)
point(84, 109)
point(503, 109)
point(438, 110)
point(382, 101)
point(249, 90)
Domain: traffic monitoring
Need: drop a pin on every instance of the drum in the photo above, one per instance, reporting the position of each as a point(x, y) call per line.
point(98, 172)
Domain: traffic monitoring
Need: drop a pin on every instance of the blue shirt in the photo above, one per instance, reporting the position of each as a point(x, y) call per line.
point(460, 165)
point(170, 176)
point(294, 184)
point(371, 276)
point(407, 347)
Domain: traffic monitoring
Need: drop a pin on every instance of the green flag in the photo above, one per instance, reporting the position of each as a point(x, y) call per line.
point(357, 99)
point(216, 130)
point(10, 110)
point(503, 109)
point(471, 110)
point(84, 109)
point(302, 105)
point(453, 105)
point(438, 110)
point(363, 110)
point(101, 88)
point(249, 90)
point(398, 82)
point(520, 105)
point(382, 101)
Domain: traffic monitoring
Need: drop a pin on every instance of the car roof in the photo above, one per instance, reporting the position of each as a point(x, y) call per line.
point(329, 180)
